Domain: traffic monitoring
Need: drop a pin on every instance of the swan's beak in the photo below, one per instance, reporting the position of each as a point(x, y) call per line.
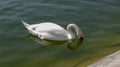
point(81, 39)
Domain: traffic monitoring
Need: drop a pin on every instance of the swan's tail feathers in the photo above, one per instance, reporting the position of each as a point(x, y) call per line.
point(25, 24)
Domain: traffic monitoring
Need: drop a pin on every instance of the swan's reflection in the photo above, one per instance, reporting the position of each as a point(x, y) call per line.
point(71, 44)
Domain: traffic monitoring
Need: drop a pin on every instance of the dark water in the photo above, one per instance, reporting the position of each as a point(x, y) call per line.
point(98, 19)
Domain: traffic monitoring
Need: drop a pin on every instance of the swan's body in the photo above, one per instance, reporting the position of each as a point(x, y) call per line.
point(51, 31)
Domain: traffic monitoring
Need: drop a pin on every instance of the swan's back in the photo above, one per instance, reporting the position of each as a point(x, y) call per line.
point(51, 31)
point(48, 27)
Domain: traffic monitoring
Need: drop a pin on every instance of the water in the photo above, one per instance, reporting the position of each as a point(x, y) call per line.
point(99, 21)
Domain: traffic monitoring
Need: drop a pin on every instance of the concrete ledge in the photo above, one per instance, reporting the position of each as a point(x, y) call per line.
point(112, 60)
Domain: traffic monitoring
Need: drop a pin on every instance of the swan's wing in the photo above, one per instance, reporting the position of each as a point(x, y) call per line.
point(52, 31)
point(54, 35)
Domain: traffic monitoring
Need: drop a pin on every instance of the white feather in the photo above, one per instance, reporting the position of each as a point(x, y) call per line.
point(52, 31)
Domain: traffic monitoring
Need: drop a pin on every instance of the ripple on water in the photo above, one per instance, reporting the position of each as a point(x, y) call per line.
point(99, 20)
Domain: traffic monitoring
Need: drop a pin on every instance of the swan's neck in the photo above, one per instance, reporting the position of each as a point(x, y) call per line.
point(71, 35)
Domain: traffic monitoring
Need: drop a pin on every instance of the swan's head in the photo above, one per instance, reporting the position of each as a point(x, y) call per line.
point(73, 45)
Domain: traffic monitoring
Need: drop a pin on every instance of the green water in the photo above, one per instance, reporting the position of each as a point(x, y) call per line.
point(98, 19)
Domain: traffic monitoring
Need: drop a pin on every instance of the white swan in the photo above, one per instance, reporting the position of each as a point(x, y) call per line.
point(51, 31)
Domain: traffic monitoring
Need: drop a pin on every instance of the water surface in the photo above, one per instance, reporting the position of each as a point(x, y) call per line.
point(99, 20)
